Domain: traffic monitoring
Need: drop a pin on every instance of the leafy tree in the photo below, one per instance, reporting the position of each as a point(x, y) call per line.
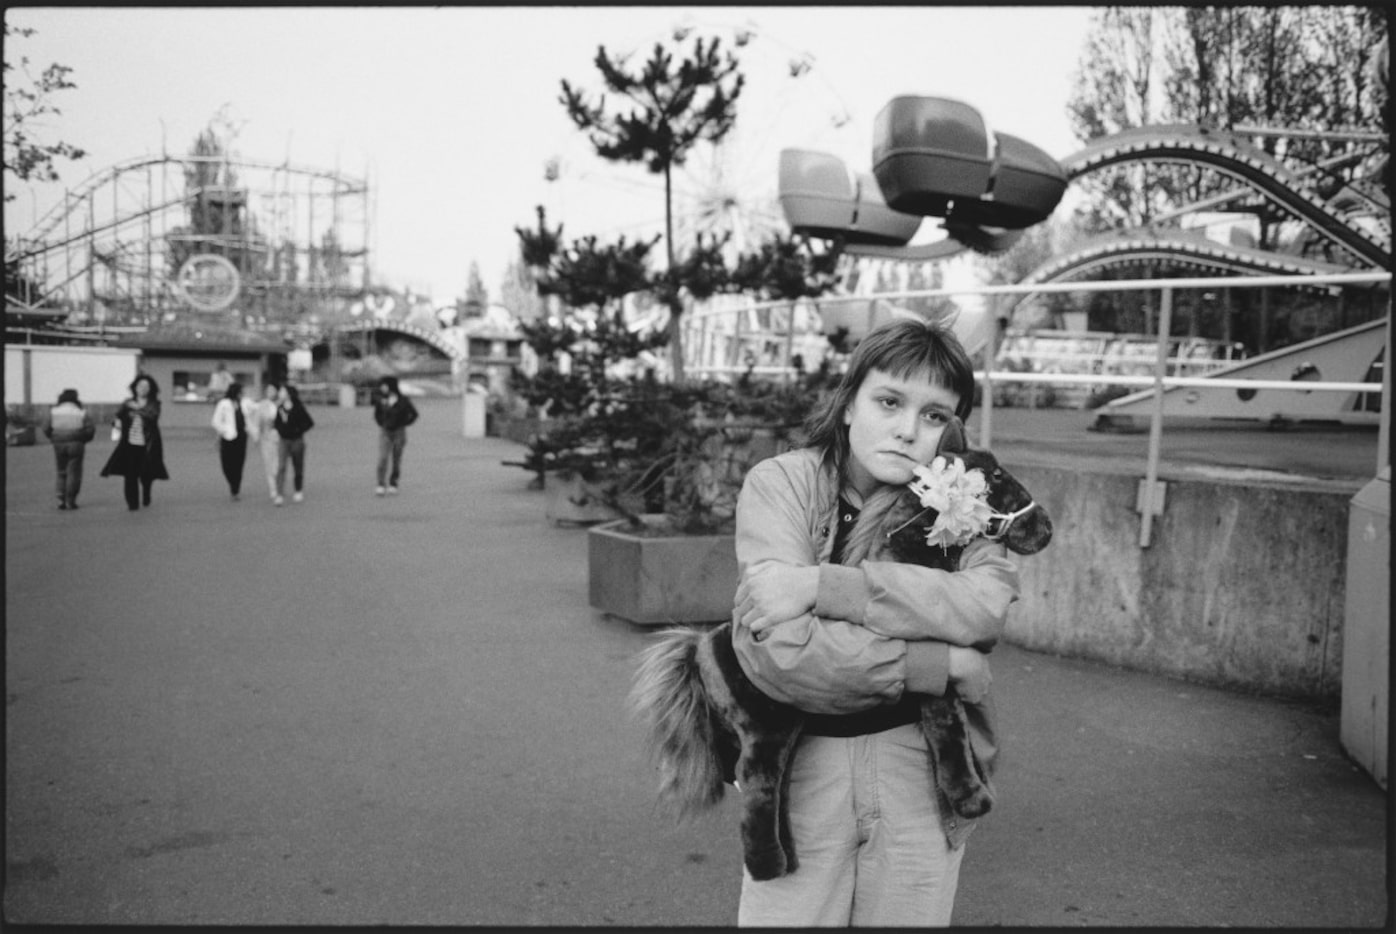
point(667, 110)
point(1299, 67)
point(1113, 90)
point(26, 156)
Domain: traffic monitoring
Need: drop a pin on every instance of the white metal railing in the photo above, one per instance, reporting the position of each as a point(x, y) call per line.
point(1159, 380)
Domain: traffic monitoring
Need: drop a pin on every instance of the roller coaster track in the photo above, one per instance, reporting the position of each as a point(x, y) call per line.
point(86, 189)
point(1189, 249)
point(1229, 154)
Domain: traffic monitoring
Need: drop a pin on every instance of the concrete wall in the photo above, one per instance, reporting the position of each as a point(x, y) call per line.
point(36, 373)
point(1242, 586)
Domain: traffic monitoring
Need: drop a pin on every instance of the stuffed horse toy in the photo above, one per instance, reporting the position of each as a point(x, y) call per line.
point(709, 725)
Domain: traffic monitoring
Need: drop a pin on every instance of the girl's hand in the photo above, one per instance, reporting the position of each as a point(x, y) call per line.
point(969, 673)
point(776, 594)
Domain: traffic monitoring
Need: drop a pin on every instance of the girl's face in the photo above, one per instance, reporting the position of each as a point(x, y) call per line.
point(270, 392)
point(894, 424)
point(142, 389)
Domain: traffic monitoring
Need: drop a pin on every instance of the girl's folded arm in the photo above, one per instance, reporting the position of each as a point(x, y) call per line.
point(821, 665)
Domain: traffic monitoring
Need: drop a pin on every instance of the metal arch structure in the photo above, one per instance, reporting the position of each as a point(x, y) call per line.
point(104, 250)
point(1187, 249)
point(432, 339)
point(1228, 153)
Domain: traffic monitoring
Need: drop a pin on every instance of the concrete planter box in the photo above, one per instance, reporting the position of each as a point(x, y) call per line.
point(658, 580)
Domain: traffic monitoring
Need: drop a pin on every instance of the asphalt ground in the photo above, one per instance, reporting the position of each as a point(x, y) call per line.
point(401, 711)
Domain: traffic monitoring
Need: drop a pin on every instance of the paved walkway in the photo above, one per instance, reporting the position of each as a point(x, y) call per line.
point(402, 711)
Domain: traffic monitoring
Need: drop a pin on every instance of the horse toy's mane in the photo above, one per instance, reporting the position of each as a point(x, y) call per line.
point(708, 724)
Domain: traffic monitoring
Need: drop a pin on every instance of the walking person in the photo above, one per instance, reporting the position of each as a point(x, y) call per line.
point(230, 422)
point(69, 426)
point(140, 451)
point(261, 420)
point(851, 645)
point(292, 421)
point(393, 412)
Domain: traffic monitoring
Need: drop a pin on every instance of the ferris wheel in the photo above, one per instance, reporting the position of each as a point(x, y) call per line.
point(724, 188)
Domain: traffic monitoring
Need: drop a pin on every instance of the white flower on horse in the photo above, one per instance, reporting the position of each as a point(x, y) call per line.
point(960, 498)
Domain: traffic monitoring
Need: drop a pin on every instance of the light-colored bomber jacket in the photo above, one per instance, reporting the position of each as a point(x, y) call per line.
point(866, 636)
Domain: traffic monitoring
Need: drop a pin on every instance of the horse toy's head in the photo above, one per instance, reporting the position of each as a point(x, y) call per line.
point(1015, 518)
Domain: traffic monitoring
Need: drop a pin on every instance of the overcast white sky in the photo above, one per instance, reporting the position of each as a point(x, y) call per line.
point(452, 113)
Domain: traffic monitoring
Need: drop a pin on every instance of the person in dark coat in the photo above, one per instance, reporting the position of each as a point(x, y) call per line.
point(393, 412)
point(69, 426)
point(292, 422)
point(140, 453)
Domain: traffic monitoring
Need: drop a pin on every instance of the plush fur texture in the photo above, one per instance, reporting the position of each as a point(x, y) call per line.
point(708, 724)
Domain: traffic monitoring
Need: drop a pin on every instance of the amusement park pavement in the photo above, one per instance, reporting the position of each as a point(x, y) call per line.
point(401, 711)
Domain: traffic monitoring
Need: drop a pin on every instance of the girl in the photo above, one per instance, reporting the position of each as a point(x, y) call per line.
point(140, 453)
point(259, 428)
point(292, 422)
point(230, 421)
point(850, 644)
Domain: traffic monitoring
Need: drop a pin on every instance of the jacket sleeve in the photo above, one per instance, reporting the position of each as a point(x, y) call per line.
point(219, 420)
point(89, 427)
point(409, 413)
point(968, 607)
point(816, 663)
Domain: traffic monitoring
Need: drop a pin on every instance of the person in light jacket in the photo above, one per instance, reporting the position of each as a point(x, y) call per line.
point(393, 412)
point(140, 451)
point(261, 419)
point(69, 426)
point(851, 645)
point(230, 422)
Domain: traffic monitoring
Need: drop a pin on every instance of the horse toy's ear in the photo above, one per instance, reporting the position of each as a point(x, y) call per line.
point(952, 439)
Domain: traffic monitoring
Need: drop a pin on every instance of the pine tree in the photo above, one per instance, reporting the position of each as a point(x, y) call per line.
point(668, 110)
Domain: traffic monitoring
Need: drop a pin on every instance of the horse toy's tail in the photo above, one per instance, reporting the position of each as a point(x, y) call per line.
point(682, 732)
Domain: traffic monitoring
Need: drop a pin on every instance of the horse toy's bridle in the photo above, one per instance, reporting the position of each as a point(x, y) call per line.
point(1006, 520)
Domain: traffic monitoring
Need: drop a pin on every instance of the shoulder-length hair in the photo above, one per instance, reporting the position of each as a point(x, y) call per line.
point(154, 394)
point(295, 395)
point(903, 348)
point(234, 391)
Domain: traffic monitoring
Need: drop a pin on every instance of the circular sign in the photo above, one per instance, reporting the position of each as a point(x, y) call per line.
point(208, 282)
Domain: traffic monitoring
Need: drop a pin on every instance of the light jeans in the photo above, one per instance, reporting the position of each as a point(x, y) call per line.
point(867, 835)
point(268, 446)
